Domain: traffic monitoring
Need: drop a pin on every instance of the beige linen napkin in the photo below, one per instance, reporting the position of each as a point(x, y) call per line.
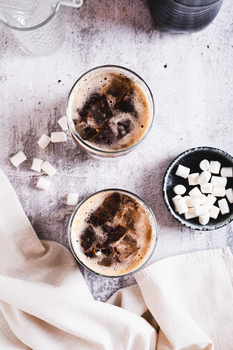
point(182, 303)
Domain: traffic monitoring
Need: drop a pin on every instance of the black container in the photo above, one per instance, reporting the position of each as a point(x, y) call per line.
point(184, 16)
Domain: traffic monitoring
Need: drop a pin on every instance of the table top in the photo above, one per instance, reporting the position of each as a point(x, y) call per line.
point(190, 76)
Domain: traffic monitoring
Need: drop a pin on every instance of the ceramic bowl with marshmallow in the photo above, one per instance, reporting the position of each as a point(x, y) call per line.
point(198, 188)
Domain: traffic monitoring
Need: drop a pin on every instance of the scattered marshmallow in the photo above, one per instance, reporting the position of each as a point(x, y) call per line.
point(214, 167)
point(214, 211)
point(195, 192)
point(202, 199)
point(223, 206)
point(48, 168)
point(219, 191)
point(189, 201)
point(182, 171)
point(204, 164)
point(36, 164)
point(44, 141)
point(179, 189)
point(204, 177)
point(204, 219)
point(63, 123)
point(174, 199)
point(229, 195)
point(210, 201)
point(219, 181)
point(18, 158)
point(190, 214)
point(58, 136)
point(43, 184)
point(193, 179)
point(72, 198)
point(200, 210)
point(227, 172)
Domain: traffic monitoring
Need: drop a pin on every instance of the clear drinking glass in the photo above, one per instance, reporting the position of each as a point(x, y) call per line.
point(113, 233)
point(42, 39)
point(111, 121)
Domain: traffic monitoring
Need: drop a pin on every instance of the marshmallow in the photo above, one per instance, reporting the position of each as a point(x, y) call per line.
point(204, 164)
point(63, 123)
point(200, 210)
point(195, 192)
point(189, 201)
point(182, 171)
point(229, 195)
point(36, 164)
point(181, 205)
point(18, 158)
point(43, 184)
point(214, 167)
point(190, 214)
point(199, 200)
point(207, 188)
point(214, 211)
point(48, 168)
point(204, 219)
point(227, 172)
point(204, 177)
point(44, 141)
point(59, 136)
point(72, 198)
point(219, 191)
point(219, 181)
point(174, 199)
point(193, 179)
point(224, 208)
point(179, 189)
point(210, 201)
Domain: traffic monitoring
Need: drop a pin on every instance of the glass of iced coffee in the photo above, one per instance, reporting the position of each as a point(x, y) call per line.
point(112, 233)
point(110, 111)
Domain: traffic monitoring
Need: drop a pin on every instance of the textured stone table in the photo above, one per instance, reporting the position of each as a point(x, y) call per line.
point(191, 77)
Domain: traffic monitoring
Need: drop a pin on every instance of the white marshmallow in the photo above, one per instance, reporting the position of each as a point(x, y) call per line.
point(193, 179)
point(219, 181)
point(72, 198)
point(210, 201)
point(204, 177)
point(224, 208)
point(63, 123)
point(229, 195)
point(179, 189)
point(189, 201)
point(207, 188)
point(174, 199)
point(195, 192)
point(199, 200)
point(18, 158)
point(214, 167)
point(218, 191)
point(48, 168)
point(181, 205)
point(59, 136)
point(36, 164)
point(214, 211)
point(204, 164)
point(43, 184)
point(227, 172)
point(182, 171)
point(200, 210)
point(204, 219)
point(44, 141)
point(190, 214)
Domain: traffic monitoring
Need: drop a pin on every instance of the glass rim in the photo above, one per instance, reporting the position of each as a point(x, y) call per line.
point(132, 195)
point(26, 29)
point(98, 150)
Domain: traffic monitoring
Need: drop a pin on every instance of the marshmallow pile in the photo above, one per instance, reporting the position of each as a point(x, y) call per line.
point(39, 165)
point(208, 187)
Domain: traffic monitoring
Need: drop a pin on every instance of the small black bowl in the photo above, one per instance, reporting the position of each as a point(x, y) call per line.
point(191, 159)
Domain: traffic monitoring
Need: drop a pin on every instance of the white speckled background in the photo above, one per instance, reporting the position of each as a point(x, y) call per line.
point(191, 78)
